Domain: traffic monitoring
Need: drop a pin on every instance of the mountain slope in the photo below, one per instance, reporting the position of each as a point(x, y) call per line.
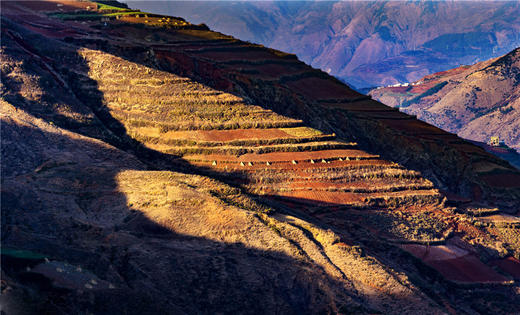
point(162, 167)
point(365, 43)
point(476, 102)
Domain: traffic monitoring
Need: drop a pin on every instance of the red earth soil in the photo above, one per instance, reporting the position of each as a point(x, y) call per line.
point(510, 265)
point(277, 70)
point(468, 148)
point(283, 156)
point(361, 184)
point(316, 88)
point(323, 197)
point(455, 264)
point(467, 269)
point(230, 135)
point(413, 127)
point(420, 89)
point(502, 180)
point(19, 11)
point(52, 30)
point(388, 115)
point(237, 55)
point(196, 45)
point(447, 137)
point(342, 198)
point(499, 150)
point(363, 106)
point(447, 72)
point(302, 165)
point(455, 198)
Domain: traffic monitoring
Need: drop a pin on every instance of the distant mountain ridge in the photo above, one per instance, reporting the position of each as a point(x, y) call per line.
point(365, 43)
point(477, 102)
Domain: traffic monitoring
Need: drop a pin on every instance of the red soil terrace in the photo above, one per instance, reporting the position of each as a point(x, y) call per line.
point(317, 88)
point(229, 135)
point(455, 264)
point(283, 156)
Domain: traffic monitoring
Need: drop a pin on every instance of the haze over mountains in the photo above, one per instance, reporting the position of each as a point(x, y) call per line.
point(365, 43)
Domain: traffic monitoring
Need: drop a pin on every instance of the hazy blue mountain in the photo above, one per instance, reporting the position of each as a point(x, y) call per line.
point(365, 43)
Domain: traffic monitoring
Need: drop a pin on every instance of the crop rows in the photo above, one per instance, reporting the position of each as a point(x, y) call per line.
point(249, 144)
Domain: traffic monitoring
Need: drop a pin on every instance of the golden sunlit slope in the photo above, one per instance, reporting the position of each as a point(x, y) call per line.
point(170, 168)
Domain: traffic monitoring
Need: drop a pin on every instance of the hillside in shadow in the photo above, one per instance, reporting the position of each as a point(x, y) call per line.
point(89, 227)
point(120, 238)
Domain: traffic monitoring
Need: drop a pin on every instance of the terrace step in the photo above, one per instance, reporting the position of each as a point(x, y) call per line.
point(456, 264)
point(260, 179)
point(202, 117)
point(182, 143)
point(198, 43)
point(362, 200)
point(259, 62)
point(400, 198)
point(233, 150)
point(334, 168)
point(500, 221)
point(360, 186)
point(219, 54)
point(165, 127)
point(276, 157)
point(358, 105)
point(264, 173)
point(231, 137)
point(233, 48)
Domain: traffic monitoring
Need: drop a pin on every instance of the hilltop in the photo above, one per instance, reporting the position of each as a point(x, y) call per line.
point(365, 43)
point(476, 102)
point(152, 165)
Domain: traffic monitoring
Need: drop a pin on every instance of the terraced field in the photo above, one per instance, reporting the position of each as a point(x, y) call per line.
point(275, 155)
point(264, 152)
point(286, 163)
